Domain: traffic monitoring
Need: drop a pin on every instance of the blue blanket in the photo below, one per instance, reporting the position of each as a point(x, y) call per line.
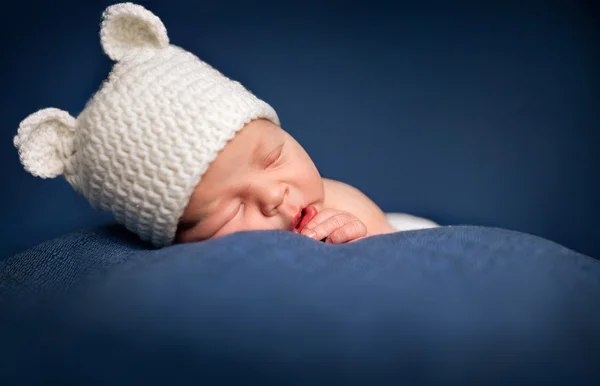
point(443, 305)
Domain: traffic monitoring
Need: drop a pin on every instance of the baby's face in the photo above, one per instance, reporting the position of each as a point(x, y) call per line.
point(261, 180)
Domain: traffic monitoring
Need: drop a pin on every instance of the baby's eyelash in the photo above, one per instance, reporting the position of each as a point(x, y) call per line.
point(273, 156)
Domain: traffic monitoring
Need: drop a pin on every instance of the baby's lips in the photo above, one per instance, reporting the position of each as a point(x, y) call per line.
point(309, 213)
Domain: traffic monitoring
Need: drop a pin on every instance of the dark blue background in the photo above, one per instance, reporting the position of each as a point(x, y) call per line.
point(480, 114)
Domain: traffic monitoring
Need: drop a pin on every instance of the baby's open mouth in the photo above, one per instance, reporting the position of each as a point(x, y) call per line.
point(304, 218)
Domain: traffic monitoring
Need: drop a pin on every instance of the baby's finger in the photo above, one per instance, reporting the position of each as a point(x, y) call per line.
point(318, 219)
point(353, 230)
point(333, 223)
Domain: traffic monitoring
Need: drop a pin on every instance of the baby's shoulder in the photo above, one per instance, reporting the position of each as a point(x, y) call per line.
point(339, 189)
point(342, 196)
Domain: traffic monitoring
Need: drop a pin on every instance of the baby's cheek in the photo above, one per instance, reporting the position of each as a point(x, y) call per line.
point(250, 222)
point(227, 230)
point(259, 222)
point(239, 225)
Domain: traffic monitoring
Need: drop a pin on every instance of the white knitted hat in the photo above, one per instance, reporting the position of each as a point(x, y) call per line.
point(141, 144)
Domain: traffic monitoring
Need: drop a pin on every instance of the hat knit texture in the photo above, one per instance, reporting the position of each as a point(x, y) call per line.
point(141, 144)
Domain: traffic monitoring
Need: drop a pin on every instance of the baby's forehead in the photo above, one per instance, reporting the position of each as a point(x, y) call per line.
point(260, 128)
point(248, 144)
point(253, 136)
point(240, 150)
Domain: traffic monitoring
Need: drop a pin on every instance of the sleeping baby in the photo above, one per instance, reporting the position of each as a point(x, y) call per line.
point(178, 152)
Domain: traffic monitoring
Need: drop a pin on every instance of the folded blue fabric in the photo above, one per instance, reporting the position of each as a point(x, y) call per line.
point(443, 305)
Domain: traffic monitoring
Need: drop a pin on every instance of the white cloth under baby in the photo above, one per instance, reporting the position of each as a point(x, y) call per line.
point(407, 222)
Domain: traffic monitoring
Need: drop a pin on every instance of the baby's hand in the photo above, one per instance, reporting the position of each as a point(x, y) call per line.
point(335, 226)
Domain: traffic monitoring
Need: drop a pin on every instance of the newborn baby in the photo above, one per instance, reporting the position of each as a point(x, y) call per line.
point(178, 152)
point(264, 179)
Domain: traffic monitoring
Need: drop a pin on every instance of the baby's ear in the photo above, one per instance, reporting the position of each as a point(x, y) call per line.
point(45, 141)
point(128, 26)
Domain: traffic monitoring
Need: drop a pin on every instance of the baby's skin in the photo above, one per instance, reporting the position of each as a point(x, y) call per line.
point(264, 180)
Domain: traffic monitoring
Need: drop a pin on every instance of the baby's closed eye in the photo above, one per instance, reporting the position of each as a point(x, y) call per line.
point(273, 156)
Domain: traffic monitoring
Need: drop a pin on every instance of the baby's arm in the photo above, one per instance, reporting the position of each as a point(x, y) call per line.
point(344, 197)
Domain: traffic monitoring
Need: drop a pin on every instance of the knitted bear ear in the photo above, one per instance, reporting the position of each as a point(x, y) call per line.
point(45, 141)
point(128, 26)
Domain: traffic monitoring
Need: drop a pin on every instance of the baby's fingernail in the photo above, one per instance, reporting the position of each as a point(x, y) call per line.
point(309, 233)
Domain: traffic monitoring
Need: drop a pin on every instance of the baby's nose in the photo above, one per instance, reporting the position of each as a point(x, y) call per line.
point(270, 197)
